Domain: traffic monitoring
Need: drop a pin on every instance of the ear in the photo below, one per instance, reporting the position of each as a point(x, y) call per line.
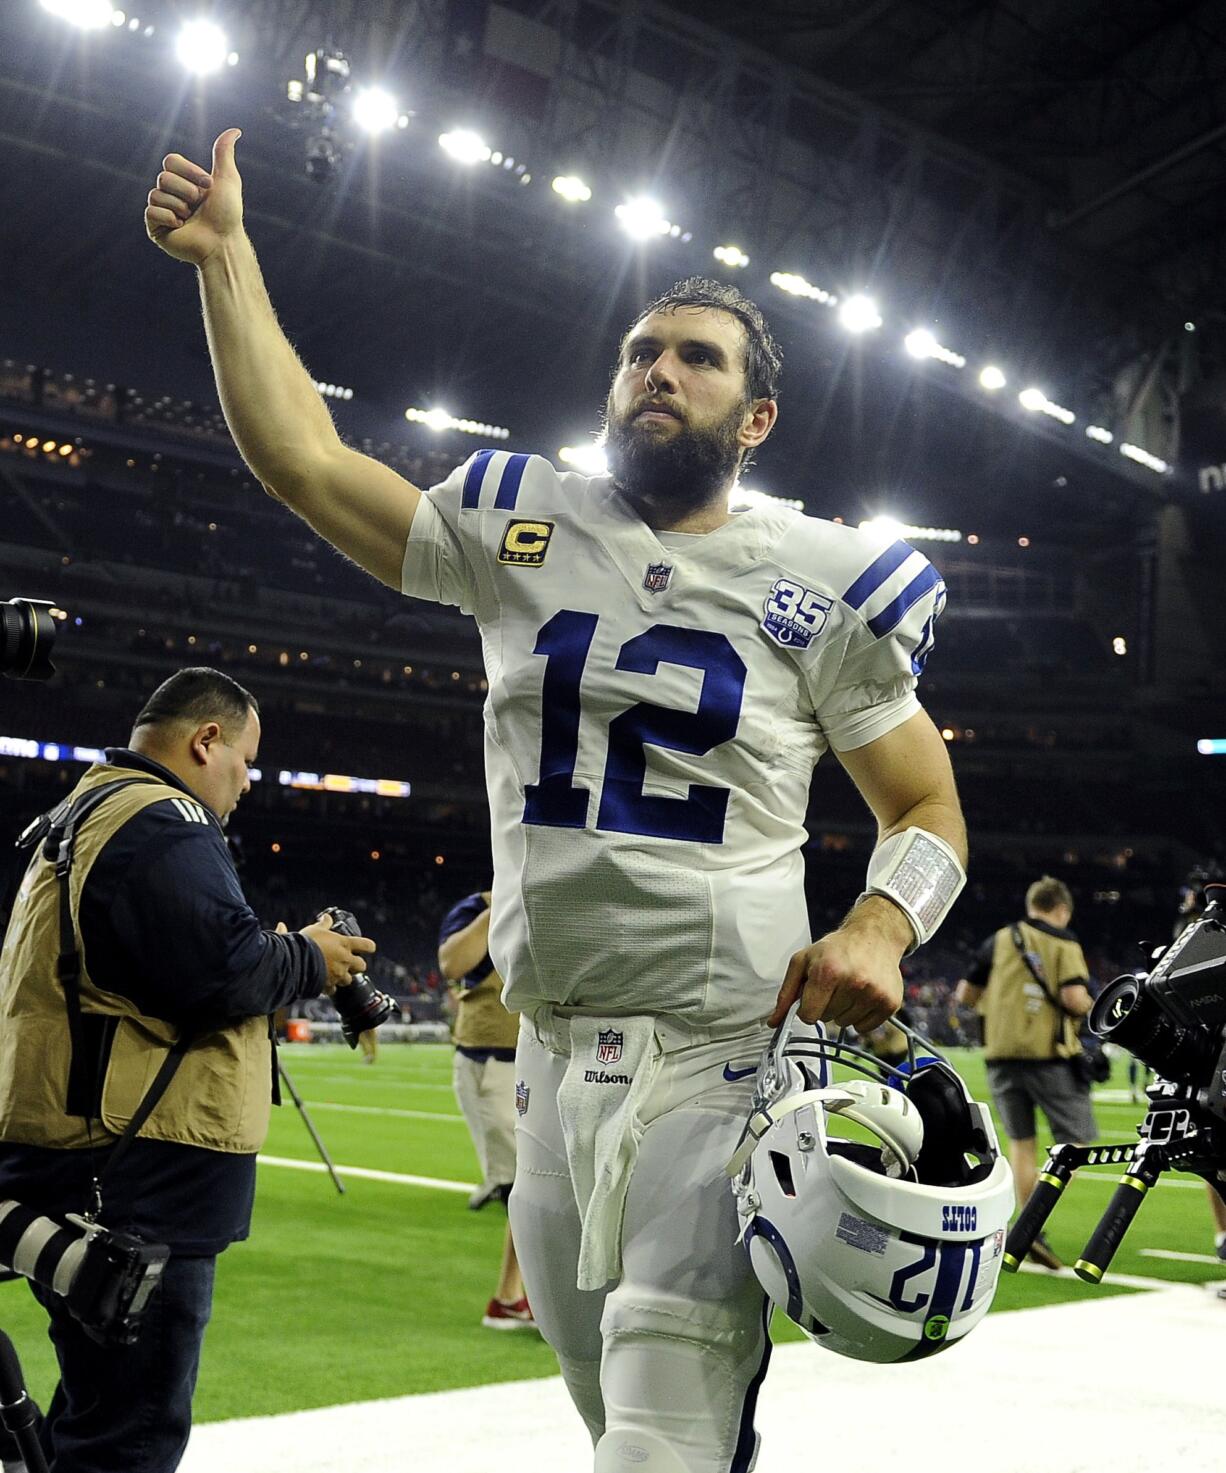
point(203, 739)
point(759, 421)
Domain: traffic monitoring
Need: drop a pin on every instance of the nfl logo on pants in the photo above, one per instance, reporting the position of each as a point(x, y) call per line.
point(609, 1046)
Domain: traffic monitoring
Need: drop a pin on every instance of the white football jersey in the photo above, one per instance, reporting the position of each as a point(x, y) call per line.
point(657, 702)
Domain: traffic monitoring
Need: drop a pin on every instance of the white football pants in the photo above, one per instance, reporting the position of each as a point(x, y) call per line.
point(486, 1096)
point(676, 1348)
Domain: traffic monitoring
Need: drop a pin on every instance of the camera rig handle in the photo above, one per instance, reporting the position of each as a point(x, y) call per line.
point(1177, 1132)
point(1062, 1161)
point(1148, 1163)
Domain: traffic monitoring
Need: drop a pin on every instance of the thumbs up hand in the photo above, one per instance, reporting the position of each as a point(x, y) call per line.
point(192, 210)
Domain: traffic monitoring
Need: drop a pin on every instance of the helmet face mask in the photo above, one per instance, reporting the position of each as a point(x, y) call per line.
point(883, 1251)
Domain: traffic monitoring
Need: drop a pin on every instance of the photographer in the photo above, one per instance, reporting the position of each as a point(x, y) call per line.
point(1030, 982)
point(172, 962)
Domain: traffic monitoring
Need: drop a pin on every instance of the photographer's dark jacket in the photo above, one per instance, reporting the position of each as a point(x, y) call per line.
point(169, 945)
point(1021, 1015)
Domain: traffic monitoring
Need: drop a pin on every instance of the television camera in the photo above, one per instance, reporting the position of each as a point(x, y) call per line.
point(1173, 1019)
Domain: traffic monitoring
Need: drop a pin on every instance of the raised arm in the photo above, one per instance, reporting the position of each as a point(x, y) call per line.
point(279, 422)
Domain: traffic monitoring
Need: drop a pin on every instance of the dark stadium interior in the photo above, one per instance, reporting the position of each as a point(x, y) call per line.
point(1039, 184)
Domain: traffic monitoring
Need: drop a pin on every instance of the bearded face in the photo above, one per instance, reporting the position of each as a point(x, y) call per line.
point(659, 457)
point(678, 419)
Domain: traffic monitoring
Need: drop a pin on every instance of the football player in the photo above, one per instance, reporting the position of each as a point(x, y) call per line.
point(663, 676)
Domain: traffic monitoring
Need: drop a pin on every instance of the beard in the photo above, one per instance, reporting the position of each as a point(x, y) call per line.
point(677, 471)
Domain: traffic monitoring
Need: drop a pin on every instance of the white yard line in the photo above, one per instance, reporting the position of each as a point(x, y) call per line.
point(1183, 1257)
point(358, 1081)
point(381, 1110)
point(369, 1173)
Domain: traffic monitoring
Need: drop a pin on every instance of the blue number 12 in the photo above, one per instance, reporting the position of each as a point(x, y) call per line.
point(555, 801)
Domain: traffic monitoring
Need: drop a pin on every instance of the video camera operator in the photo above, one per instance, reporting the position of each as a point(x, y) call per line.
point(170, 962)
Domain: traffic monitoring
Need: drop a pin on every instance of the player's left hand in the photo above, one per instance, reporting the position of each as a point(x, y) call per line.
point(849, 977)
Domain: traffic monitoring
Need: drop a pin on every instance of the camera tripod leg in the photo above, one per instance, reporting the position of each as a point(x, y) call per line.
point(17, 1411)
point(310, 1125)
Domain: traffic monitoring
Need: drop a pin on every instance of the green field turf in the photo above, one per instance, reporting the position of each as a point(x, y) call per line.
point(380, 1292)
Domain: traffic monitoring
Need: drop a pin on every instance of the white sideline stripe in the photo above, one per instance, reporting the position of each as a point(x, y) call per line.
point(380, 1110)
point(369, 1173)
point(1184, 1257)
point(1127, 1281)
point(1174, 1414)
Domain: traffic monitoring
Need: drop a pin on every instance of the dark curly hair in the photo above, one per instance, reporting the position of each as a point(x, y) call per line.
point(763, 359)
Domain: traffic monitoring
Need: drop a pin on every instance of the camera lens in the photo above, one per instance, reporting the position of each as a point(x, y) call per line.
point(361, 1006)
point(1126, 1014)
point(27, 632)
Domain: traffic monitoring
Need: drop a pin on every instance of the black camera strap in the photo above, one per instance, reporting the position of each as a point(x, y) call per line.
point(85, 1072)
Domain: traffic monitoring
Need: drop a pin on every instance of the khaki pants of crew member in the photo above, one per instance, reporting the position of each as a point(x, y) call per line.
point(486, 1094)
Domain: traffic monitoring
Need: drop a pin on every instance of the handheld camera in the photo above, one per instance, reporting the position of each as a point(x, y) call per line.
point(360, 1003)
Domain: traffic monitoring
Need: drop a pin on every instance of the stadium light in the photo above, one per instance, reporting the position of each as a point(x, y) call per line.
point(590, 459)
point(745, 497)
point(202, 47)
point(572, 189)
point(89, 15)
point(375, 110)
point(859, 314)
point(1143, 457)
point(731, 255)
point(1119, 645)
point(1037, 402)
point(1097, 432)
point(922, 344)
point(797, 286)
point(641, 218)
point(890, 529)
point(439, 420)
point(991, 378)
point(465, 146)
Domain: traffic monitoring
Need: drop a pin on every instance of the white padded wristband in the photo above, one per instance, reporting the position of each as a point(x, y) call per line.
point(921, 874)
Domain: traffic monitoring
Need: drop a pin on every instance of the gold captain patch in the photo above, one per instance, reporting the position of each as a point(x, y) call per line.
point(525, 543)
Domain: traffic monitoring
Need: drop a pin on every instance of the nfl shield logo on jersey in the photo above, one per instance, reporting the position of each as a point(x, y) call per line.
point(657, 577)
point(609, 1046)
point(521, 1097)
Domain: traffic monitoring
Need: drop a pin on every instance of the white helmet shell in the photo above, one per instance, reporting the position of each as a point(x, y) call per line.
point(870, 1259)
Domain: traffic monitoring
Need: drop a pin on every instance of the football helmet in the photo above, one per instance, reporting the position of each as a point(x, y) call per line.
point(882, 1251)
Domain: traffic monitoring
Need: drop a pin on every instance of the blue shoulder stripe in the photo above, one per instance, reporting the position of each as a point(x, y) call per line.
point(508, 486)
point(912, 593)
point(876, 573)
point(474, 478)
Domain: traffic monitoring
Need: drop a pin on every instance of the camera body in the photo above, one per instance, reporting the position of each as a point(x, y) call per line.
point(1174, 1018)
point(107, 1278)
point(360, 1003)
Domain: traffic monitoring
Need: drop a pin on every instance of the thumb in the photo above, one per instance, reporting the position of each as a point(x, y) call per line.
point(282, 929)
point(223, 152)
point(324, 920)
